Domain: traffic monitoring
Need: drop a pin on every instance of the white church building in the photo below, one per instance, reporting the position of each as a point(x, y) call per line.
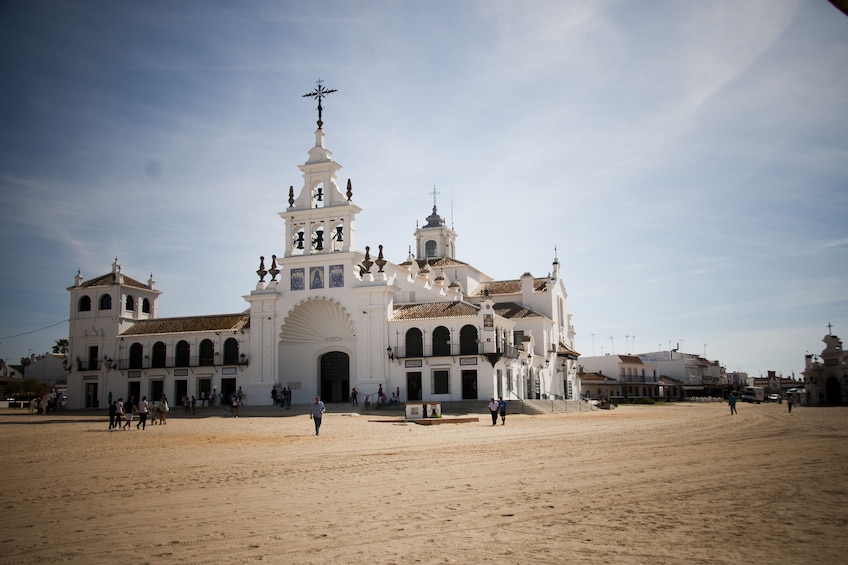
point(324, 317)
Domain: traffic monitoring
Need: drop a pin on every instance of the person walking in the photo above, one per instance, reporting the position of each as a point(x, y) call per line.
point(732, 402)
point(493, 408)
point(502, 409)
point(129, 406)
point(354, 397)
point(790, 400)
point(119, 413)
point(316, 413)
point(143, 412)
point(163, 410)
point(113, 411)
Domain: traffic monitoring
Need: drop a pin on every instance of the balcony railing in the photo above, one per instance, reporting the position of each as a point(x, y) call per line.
point(452, 350)
point(174, 363)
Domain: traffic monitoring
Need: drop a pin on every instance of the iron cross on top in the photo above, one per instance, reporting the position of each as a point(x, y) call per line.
point(319, 93)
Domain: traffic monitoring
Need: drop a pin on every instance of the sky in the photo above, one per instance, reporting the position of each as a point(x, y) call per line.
point(686, 161)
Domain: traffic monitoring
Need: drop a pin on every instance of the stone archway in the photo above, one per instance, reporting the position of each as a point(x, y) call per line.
point(334, 377)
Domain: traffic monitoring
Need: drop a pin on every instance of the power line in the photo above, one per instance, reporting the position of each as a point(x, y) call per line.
point(34, 331)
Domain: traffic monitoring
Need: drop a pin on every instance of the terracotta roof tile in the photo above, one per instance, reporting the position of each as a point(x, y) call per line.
point(565, 351)
point(587, 378)
point(215, 322)
point(509, 287)
point(433, 310)
point(514, 311)
point(109, 279)
point(631, 359)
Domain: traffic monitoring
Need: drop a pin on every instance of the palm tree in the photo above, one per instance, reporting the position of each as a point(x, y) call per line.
point(61, 346)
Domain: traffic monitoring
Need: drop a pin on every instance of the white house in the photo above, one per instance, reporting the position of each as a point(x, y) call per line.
point(826, 375)
point(324, 317)
point(48, 368)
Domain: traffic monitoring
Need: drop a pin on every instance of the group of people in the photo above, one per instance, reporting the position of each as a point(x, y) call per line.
point(498, 407)
point(382, 399)
point(121, 413)
point(281, 397)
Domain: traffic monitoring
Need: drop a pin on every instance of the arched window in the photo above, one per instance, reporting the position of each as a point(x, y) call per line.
point(158, 355)
point(441, 342)
point(145, 306)
point(414, 343)
point(231, 351)
point(468, 340)
point(430, 248)
point(106, 302)
point(130, 304)
point(207, 353)
point(181, 358)
point(85, 304)
point(136, 351)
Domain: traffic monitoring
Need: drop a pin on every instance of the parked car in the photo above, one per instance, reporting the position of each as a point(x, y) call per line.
point(773, 398)
point(748, 397)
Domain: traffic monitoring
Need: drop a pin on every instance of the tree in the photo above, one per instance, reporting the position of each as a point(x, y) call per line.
point(61, 346)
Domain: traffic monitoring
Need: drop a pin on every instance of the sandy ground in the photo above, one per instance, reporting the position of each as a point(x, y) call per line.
point(681, 483)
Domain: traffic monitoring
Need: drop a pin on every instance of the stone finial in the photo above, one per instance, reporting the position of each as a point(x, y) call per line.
point(380, 262)
point(291, 196)
point(150, 282)
point(274, 270)
point(367, 262)
point(261, 272)
point(78, 278)
point(349, 193)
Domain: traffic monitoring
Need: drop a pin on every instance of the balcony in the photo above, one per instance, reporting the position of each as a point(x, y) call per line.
point(451, 350)
point(189, 361)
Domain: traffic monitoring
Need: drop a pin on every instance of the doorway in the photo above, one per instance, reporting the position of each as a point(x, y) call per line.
point(469, 385)
point(180, 392)
point(413, 386)
point(834, 391)
point(91, 400)
point(335, 377)
point(204, 390)
point(228, 387)
point(157, 389)
point(134, 390)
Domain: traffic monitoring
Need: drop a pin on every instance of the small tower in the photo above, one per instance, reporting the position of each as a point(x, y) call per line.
point(435, 240)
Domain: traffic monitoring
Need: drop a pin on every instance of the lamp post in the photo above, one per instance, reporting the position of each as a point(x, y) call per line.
point(108, 363)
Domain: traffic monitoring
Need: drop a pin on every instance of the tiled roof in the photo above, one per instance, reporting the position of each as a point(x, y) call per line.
point(669, 380)
point(586, 378)
point(109, 279)
point(511, 310)
point(509, 287)
point(437, 262)
point(433, 310)
point(215, 322)
point(564, 350)
point(631, 359)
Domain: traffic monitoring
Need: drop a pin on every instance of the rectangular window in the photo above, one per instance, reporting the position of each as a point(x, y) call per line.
point(441, 382)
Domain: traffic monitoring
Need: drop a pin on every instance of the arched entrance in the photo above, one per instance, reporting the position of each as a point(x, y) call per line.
point(334, 377)
point(834, 391)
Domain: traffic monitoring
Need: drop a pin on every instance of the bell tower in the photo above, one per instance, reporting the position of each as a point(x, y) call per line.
point(321, 219)
point(435, 239)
